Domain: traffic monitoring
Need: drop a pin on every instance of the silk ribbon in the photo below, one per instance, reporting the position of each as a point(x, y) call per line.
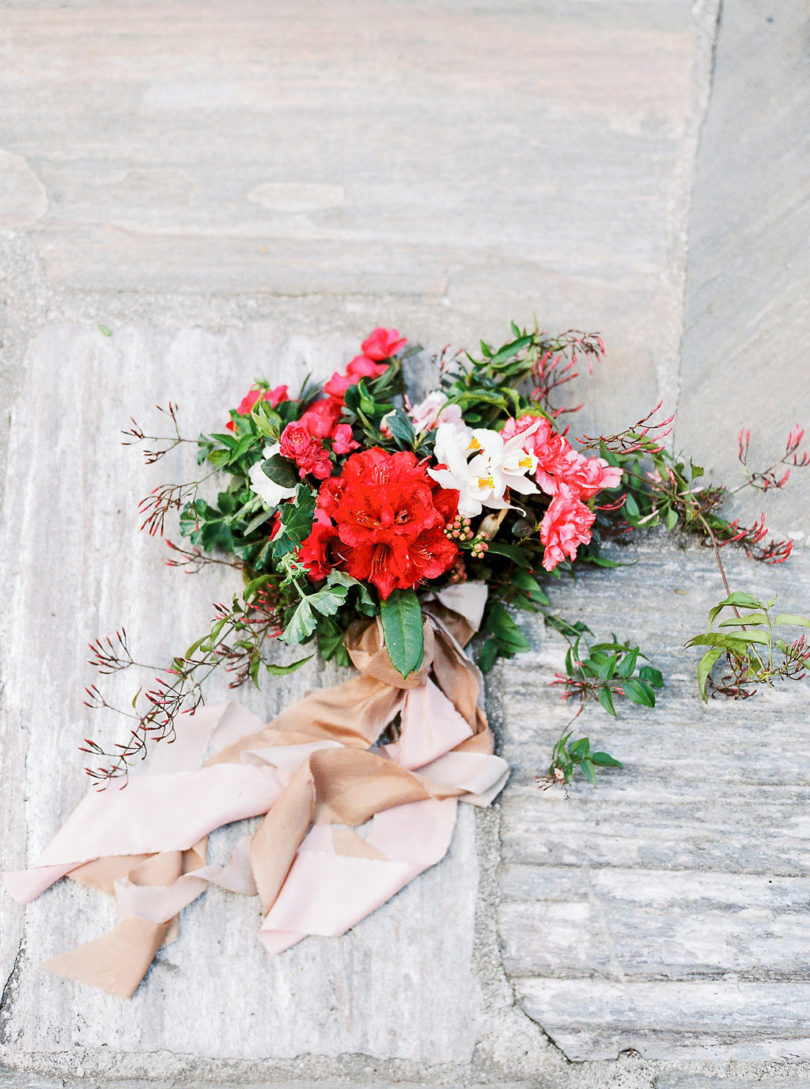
point(316, 774)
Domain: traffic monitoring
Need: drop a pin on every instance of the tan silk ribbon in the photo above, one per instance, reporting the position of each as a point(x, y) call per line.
point(316, 772)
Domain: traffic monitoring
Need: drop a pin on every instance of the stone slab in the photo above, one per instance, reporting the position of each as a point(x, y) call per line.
point(295, 150)
point(666, 910)
point(748, 276)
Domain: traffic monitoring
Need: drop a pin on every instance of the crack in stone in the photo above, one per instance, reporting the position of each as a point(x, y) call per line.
point(707, 94)
point(9, 991)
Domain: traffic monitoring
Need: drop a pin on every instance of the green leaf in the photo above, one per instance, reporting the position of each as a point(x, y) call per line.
point(590, 774)
point(530, 587)
point(671, 519)
point(488, 655)
point(739, 597)
point(401, 617)
point(254, 585)
point(295, 522)
point(328, 601)
point(512, 552)
point(580, 748)
point(281, 670)
point(628, 663)
point(365, 602)
point(793, 619)
point(228, 502)
point(704, 669)
point(601, 561)
point(301, 625)
point(753, 619)
point(737, 642)
point(639, 692)
point(401, 428)
point(652, 676)
point(605, 760)
point(606, 700)
point(105, 330)
point(254, 523)
point(281, 471)
point(509, 637)
point(631, 506)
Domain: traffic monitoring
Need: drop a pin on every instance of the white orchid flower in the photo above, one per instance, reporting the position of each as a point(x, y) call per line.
point(260, 483)
point(518, 463)
point(483, 480)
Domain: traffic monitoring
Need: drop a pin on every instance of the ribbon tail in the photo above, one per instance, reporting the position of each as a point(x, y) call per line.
point(328, 893)
point(116, 962)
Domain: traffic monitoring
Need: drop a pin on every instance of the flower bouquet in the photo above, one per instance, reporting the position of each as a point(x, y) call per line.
point(388, 534)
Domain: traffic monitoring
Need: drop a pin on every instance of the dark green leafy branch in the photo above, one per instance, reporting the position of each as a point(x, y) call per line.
point(596, 672)
point(567, 756)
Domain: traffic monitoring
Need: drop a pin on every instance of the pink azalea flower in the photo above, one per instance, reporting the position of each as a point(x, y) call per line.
point(383, 344)
point(320, 418)
point(342, 440)
point(274, 396)
point(360, 367)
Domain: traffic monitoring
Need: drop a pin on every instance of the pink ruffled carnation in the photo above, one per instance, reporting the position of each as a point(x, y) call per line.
point(553, 452)
point(383, 344)
point(591, 475)
point(559, 463)
point(308, 452)
point(565, 526)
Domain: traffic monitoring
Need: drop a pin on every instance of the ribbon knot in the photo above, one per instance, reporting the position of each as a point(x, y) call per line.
point(321, 769)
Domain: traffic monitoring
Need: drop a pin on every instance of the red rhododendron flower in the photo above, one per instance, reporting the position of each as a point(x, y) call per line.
point(308, 453)
point(323, 549)
point(565, 526)
point(382, 344)
point(391, 515)
point(321, 417)
point(274, 396)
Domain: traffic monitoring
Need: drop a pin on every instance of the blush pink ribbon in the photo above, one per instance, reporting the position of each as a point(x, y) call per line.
point(348, 821)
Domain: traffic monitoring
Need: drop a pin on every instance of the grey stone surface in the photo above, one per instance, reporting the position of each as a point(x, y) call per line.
point(478, 161)
point(667, 910)
point(747, 319)
point(248, 190)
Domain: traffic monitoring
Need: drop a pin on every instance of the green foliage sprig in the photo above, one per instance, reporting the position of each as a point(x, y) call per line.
point(750, 646)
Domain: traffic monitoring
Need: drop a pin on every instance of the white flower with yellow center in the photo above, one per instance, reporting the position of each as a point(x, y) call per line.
point(494, 466)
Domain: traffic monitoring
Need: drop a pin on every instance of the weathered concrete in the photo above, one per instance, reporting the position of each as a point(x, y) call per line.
point(749, 266)
point(665, 911)
point(248, 191)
